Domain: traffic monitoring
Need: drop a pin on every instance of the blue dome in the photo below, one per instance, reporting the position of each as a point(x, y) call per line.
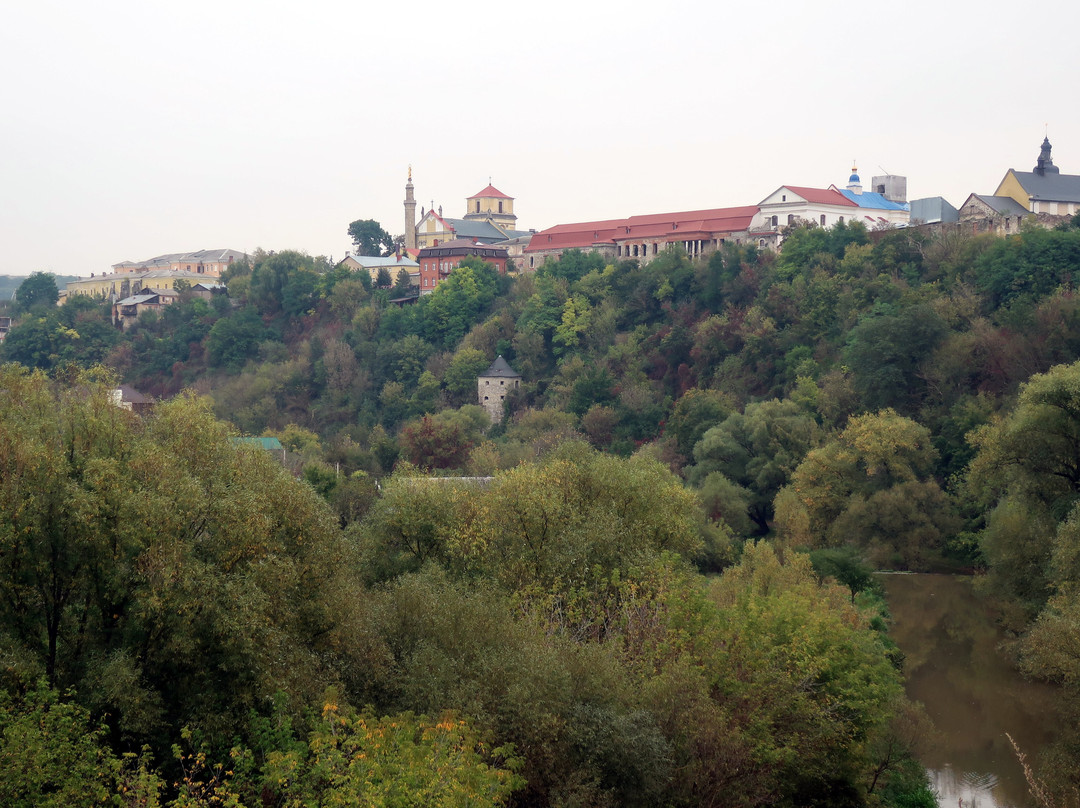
point(854, 178)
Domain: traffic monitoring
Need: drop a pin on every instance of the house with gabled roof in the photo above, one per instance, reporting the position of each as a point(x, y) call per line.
point(1044, 189)
point(791, 205)
point(489, 218)
point(126, 311)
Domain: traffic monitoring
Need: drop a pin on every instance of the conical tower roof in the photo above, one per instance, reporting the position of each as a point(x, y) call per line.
point(499, 368)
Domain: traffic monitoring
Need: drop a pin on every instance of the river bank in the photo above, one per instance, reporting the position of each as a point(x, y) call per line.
point(956, 667)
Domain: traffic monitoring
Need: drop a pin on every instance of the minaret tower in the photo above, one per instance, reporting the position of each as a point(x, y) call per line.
point(410, 214)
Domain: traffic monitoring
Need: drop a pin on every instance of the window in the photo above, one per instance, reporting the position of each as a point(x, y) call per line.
point(841, 220)
point(791, 218)
point(500, 206)
point(823, 220)
point(775, 221)
point(477, 205)
point(783, 198)
point(761, 242)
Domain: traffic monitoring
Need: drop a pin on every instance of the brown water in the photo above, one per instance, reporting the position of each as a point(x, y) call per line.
point(956, 668)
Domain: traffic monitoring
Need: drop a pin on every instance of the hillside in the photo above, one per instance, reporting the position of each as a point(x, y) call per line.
point(862, 400)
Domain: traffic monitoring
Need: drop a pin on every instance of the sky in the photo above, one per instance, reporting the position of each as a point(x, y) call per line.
point(133, 128)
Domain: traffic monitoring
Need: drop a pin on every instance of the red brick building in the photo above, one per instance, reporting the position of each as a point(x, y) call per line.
point(439, 260)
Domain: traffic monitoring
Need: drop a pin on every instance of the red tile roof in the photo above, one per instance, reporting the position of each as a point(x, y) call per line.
point(489, 192)
point(676, 226)
point(822, 196)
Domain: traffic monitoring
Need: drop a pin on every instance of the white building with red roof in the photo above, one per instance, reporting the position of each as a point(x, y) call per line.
point(792, 205)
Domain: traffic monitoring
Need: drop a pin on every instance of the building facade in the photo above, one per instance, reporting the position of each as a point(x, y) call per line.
point(117, 286)
point(200, 262)
point(438, 261)
point(1044, 189)
point(697, 232)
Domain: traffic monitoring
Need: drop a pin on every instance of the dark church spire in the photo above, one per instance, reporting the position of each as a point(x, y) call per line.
point(1046, 163)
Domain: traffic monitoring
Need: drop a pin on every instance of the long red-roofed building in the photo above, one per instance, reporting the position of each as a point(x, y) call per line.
point(644, 236)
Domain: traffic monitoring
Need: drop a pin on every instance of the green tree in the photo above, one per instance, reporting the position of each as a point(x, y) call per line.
point(235, 339)
point(870, 487)
point(435, 444)
point(56, 756)
point(369, 238)
point(152, 546)
point(39, 289)
point(1027, 476)
point(757, 450)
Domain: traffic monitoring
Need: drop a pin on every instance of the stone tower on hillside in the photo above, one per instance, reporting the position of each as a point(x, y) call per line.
point(494, 385)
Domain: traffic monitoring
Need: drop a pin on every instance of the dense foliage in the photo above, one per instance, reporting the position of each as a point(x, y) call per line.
point(894, 399)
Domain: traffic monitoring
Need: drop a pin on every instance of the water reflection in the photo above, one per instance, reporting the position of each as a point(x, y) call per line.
point(971, 692)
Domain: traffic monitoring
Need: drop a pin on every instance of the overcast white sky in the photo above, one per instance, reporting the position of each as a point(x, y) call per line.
point(132, 128)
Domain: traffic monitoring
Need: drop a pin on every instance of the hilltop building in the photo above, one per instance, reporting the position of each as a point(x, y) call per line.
point(1044, 189)
point(200, 262)
point(790, 205)
point(700, 232)
point(117, 286)
point(391, 263)
point(489, 218)
point(643, 237)
point(493, 386)
point(438, 261)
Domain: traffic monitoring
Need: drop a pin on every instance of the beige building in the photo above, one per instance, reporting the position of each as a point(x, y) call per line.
point(391, 263)
point(200, 262)
point(489, 219)
point(117, 286)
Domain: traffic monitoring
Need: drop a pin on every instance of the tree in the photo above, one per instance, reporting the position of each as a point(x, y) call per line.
point(757, 450)
point(435, 444)
point(170, 575)
point(886, 351)
point(370, 239)
point(39, 289)
point(1027, 476)
point(872, 488)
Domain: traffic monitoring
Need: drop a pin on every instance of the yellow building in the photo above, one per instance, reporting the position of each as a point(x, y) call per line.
point(117, 286)
point(1044, 189)
point(489, 219)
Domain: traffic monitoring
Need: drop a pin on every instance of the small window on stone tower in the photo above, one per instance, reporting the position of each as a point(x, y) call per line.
point(500, 206)
point(477, 205)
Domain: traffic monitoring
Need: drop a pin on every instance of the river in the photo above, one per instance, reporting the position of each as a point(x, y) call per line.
point(954, 666)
